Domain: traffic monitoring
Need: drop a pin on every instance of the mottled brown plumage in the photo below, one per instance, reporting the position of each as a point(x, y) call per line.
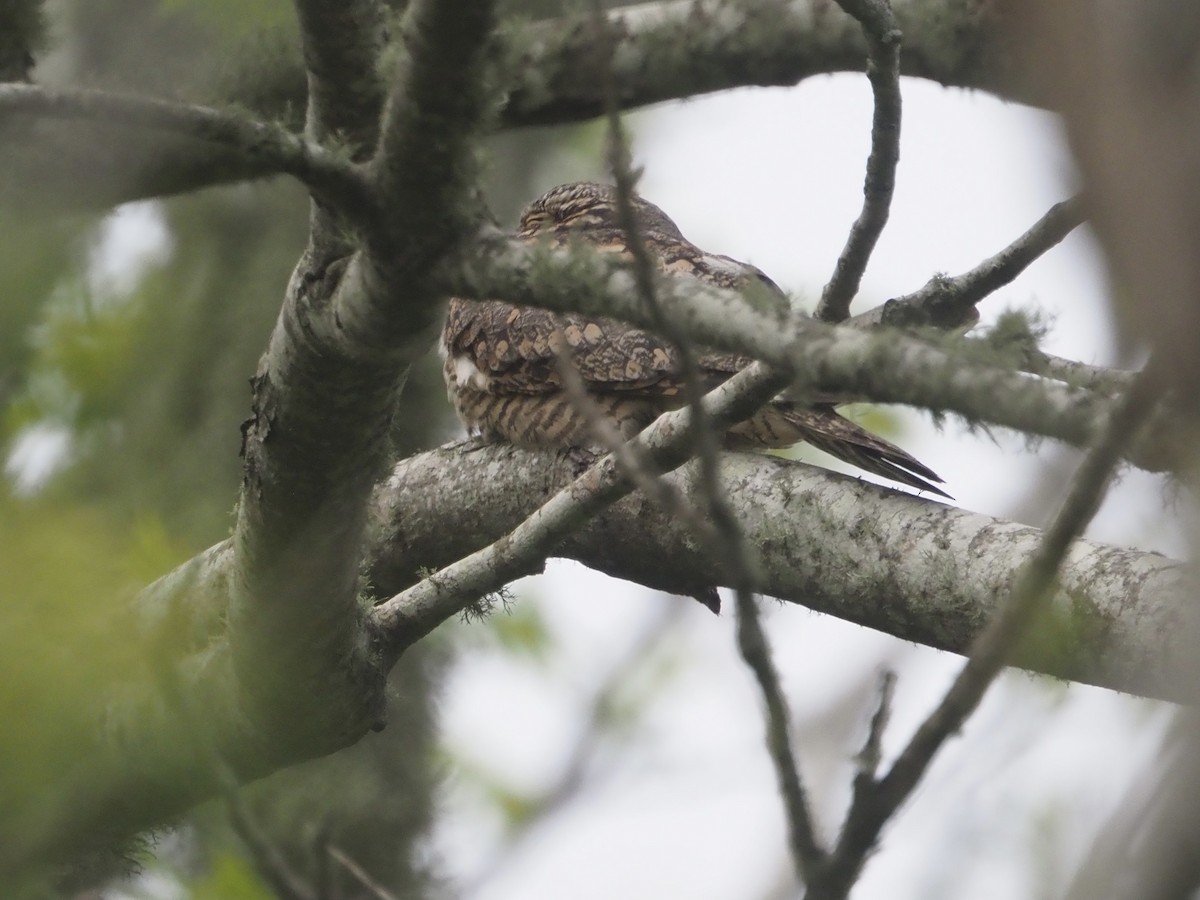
point(500, 361)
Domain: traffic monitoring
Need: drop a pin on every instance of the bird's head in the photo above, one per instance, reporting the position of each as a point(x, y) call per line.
point(586, 205)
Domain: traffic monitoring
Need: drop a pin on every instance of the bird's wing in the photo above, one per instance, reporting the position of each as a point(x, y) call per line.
point(514, 349)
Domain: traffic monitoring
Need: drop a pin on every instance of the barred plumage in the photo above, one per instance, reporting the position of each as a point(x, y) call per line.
point(502, 377)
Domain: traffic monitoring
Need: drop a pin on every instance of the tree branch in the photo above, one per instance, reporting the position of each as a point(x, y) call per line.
point(995, 645)
point(914, 568)
point(664, 51)
point(884, 366)
point(22, 32)
point(682, 48)
point(807, 855)
point(342, 40)
point(1101, 379)
point(260, 147)
point(412, 613)
point(424, 166)
point(883, 70)
point(949, 303)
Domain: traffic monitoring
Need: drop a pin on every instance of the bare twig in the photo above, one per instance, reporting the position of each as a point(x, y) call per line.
point(1102, 379)
point(883, 70)
point(946, 302)
point(728, 541)
point(632, 460)
point(415, 612)
point(873, 807)
point(266, 148)
point(807, 855)
point(267, 858)
point(361, 875)
point(869, 756)
point(725, 539)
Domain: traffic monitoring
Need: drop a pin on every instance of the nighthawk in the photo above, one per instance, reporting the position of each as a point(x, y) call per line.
point(500, 362)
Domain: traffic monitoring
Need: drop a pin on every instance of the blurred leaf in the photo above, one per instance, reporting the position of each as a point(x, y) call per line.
point(230, 878)
point(65, 628)
point(235, 17)
point(522, 631)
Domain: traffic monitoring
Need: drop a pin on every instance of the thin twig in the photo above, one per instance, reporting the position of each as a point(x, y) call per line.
point(883, 70)
point(1106, 380)
point(269, 148)
point(872, 808)
point(630, 458)
point(361, 875)
point(728, 542)
point(807, 855)
point(267, 858)
point(949, 302)
point(871, 753)
point(413, 613)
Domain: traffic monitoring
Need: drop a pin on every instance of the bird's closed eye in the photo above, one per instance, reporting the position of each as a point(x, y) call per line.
point(534, 221)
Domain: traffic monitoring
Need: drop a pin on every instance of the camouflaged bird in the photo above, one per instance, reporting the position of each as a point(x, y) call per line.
point(500, 361)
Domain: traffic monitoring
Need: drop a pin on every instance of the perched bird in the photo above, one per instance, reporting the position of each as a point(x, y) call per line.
point(500, 360)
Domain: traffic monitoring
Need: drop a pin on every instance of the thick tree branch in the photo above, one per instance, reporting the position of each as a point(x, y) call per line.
point(664, 51)
point(682, 48)
point(913, 568)
point(342, 40)
point(281, 670)
point(424, 167)
point(414, 612)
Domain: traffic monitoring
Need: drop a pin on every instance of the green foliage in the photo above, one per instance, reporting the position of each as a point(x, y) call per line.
point(235, 17)
point(230, 877)
point(66, 576)
point(522, 631)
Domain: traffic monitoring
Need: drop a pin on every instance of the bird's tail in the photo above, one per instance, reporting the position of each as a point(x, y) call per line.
point(822, 427)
